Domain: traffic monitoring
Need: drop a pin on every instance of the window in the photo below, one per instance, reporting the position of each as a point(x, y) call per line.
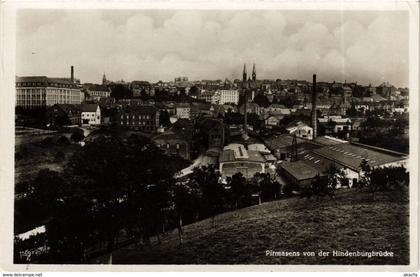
point(177, 146)
point(167, 146)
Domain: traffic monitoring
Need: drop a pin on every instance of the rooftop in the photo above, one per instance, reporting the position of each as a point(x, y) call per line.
point(237, 152)
point(281, 141)
point(299, 170)
point(88, 107)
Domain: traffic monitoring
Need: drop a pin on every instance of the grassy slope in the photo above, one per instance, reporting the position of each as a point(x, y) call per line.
point(351, 221)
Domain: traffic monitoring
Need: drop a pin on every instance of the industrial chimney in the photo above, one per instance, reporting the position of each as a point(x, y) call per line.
point(72, 74)
point(314, 115)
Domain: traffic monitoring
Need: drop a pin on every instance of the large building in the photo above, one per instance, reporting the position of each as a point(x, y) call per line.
point(41, 91)
point(143, 118)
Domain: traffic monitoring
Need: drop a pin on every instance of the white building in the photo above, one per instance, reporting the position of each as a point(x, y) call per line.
point(229, 96)
point(42, 91)
point(301, 130)
point(90, 114)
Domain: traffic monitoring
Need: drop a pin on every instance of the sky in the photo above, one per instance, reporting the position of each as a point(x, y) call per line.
point(368, 47)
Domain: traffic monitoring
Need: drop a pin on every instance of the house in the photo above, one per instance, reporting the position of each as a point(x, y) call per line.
point(143, 118)
point(273, 120)
point(173, 143)
point(214, 131)
point(301, 129)
point(335, 124)
point(63, 114)
point(90, 114)
point(96, 92)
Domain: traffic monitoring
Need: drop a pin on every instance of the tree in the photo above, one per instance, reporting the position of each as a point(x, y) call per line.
point(334, 177)
point(71, 231)
point(100, 169)
point(48, 187)
point(164, 118)
point(186, 200)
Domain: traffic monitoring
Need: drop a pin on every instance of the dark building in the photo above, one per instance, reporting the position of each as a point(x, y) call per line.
point(214, 132)
point(143, 118)
point(173, 143)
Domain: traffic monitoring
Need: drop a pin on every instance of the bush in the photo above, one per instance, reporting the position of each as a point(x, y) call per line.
point(59, 156)
point(77, 136)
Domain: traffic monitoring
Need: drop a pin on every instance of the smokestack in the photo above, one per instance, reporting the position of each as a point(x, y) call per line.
point(72, 74)
point(245, 112)
point(314, 115)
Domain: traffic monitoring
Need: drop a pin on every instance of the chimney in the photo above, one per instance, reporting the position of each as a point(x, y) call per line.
point(314, 115)
point(72, 74)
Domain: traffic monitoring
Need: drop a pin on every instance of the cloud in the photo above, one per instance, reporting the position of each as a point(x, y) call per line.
point(367, 47)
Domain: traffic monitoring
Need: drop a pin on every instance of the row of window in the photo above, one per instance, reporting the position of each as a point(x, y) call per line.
point(141, 123)
point(136, 117)
point(89, 115)
point(33, 84)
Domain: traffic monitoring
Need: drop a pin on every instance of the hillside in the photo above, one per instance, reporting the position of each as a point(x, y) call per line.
point(352, 221)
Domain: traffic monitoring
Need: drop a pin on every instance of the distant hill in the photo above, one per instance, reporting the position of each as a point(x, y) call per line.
point(352, 221)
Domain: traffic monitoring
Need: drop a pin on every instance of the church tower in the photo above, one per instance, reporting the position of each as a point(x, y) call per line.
point(254, 73)
point(104, 81)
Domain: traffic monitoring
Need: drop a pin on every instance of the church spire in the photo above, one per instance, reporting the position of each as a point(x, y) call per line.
point(244, 74)
point(254, 73)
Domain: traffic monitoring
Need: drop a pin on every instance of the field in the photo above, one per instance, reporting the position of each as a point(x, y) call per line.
point(352, 221)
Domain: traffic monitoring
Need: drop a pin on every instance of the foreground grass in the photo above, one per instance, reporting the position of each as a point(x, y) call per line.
point(351, 221)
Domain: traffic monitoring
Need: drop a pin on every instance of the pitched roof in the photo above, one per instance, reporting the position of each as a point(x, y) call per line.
point(44, 80)
point(299, 170)
point(142, 109)
point(170, 135)
point(67, 108)
point(98, 88)
point(281, 141)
